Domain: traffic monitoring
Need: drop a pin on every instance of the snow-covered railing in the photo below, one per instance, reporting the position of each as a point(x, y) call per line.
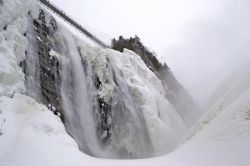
point(66, 18)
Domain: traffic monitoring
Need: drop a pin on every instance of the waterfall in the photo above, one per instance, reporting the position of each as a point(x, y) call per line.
point(75, 100)
point(113, 105)
point(129, 137)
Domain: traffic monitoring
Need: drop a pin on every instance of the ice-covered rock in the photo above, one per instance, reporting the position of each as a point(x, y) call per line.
point(125, 79)
point(13, 44)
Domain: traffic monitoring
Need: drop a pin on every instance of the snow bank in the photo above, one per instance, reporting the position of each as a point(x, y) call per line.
point(230, 110)
point(222, 135)
point(33, 135)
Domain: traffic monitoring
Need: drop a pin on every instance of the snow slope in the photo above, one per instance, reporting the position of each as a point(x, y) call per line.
point(222, 135)
point(31, 134)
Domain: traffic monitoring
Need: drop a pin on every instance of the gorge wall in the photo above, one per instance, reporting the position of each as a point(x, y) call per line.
point(113, 104)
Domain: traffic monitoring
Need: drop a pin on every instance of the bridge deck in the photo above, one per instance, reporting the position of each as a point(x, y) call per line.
point(66, 18)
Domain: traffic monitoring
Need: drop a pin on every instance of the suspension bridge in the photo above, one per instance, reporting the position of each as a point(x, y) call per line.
point(72, 22)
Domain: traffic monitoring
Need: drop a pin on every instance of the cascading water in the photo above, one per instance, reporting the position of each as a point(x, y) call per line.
point(75, 100)
point(129, 137)
point(112, 104)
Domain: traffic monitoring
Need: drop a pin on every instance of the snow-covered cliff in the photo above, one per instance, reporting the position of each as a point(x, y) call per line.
point(111, 103)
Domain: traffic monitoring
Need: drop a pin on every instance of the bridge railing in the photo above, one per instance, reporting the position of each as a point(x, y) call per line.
point(72, 22)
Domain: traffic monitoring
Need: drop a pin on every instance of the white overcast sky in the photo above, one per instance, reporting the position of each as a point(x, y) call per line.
point(201, 40)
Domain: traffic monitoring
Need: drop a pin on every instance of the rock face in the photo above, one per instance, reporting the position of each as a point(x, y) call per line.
point(48, 46)
point(47, 67)
point(136, 45)
point(48, 64)
point(105, 114)
point(115, 99)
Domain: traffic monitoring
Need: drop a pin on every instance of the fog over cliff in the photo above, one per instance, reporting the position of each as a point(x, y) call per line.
point(212, 47)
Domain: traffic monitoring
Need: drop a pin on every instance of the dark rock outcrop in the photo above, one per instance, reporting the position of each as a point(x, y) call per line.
point(136, 45)
point(48, 66)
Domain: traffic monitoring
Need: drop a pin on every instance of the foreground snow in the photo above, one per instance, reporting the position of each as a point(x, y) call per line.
point(33, 135)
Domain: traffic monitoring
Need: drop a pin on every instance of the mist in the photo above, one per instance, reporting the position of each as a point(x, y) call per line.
point(212, 47)
point(202, 41)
